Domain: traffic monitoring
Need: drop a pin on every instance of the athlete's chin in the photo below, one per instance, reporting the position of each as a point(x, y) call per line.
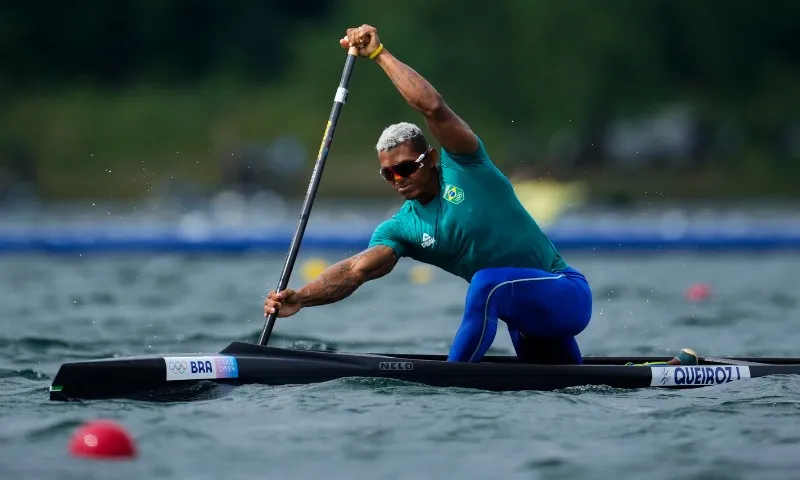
point(409, 193)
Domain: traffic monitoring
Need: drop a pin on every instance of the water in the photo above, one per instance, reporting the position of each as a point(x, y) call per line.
point(58, 308)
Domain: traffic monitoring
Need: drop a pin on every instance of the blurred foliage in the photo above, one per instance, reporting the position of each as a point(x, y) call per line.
point(106, 96)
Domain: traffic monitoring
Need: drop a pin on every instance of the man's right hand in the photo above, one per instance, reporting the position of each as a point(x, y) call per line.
point(287, 303)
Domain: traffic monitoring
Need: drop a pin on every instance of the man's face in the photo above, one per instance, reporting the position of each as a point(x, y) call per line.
point(407, 176)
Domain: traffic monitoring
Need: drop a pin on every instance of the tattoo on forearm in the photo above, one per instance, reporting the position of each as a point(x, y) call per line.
point(341, 279)
point(334, 284)
point(410, 77)
point(338, 284)
point(417, 91)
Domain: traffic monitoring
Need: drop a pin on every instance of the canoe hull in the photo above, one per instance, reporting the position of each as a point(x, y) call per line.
point(186, 376)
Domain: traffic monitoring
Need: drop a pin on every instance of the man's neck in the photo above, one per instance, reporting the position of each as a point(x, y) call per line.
point(431, 192)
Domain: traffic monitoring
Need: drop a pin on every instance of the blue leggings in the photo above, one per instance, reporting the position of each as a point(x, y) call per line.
point(543, 311)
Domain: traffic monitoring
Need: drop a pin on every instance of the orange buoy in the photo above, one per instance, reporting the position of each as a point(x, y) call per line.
point(102, 439)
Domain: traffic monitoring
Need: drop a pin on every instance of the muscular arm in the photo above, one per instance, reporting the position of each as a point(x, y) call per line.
point(448, 128)
point(341, 279)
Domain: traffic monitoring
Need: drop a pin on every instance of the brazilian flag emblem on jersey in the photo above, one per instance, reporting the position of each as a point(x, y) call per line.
point(453, 194)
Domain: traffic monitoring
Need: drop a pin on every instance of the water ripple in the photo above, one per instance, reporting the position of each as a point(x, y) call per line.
point(98, 307)
point(26, 373)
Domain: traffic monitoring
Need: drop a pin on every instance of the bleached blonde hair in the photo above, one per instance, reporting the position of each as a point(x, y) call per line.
point(400, 133)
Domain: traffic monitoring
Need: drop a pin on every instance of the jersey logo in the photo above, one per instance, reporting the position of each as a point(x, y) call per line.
point(427, 240)
point(453, 194)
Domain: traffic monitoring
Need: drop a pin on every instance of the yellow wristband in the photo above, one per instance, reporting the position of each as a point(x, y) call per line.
point(376, 52)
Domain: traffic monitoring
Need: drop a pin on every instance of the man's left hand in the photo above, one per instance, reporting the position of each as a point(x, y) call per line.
point(365, 38)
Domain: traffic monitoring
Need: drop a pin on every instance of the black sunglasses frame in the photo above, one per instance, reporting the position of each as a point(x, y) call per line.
point(388, 173)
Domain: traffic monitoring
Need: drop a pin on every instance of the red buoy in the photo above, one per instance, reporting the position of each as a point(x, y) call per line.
point(102, 439)
point(698, 292)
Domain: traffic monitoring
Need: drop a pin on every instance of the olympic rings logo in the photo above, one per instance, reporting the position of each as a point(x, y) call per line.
point(178, 367)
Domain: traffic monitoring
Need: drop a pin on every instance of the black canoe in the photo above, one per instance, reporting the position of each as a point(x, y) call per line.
point(192, 376)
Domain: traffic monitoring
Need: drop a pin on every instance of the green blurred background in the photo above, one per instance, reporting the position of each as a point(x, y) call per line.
point(691, 99)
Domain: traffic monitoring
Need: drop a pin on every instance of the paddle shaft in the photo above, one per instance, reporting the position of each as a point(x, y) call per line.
point(731, 361)
point(316, 176)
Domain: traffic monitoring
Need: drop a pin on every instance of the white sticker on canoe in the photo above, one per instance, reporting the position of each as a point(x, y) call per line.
point(697, 375)
point(199, 368)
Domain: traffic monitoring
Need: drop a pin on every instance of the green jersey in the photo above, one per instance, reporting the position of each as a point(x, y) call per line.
point(475, 222)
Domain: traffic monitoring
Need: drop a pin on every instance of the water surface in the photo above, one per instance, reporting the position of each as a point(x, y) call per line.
point(61, 308)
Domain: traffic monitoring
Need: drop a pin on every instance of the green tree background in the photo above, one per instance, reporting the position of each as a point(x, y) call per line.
point(108, 98)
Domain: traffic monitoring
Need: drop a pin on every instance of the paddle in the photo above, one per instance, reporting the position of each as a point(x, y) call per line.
point(316, 175)
point(731, 361)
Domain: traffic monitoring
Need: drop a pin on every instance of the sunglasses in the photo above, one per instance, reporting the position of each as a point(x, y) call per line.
point(403, 169)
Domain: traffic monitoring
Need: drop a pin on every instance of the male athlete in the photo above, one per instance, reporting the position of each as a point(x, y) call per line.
point(461, 214)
